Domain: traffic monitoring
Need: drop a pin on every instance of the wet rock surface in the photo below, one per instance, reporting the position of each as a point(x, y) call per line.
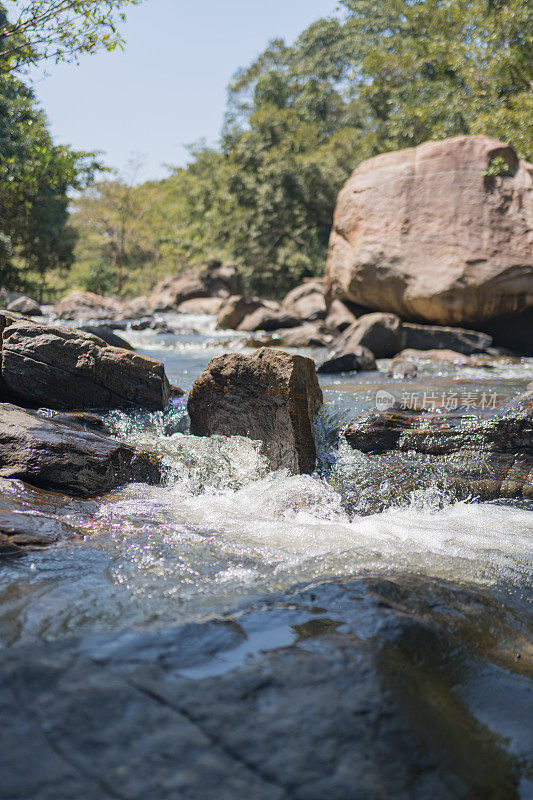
point(64, 368)
point(486, 457)
point(363, 689)
point(56, 456)
point(270, 396)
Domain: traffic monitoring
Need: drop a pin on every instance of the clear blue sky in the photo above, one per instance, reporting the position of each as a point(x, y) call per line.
point(168, 88)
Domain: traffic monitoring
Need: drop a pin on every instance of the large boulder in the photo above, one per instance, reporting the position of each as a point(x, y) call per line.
point(487, 457)
point(307, 301)
point(426, 234)
point(339, 316)
point(25, 305)
point(52, 455)
point(214, 279)
point(307, 335)
point(379, 333)
point(271, 396)
point(201, 305)
point(435, 337)
point(65, 368)
point(87, 305)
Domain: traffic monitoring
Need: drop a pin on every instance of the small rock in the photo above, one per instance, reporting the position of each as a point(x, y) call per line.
point(307, 301)
point(380, 333)
point(235, 309)
point(201, 305)
point(27, 306)
point(107, 336)
point(360, 360)
point(264, 319)
point(307, 335)
point(87, 305)
point(339, 316)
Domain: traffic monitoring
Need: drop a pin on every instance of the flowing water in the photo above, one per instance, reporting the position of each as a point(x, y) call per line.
point(224, 530)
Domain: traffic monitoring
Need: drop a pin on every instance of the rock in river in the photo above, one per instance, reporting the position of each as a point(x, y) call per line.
point(369, 689)
point(425, 233)
point(64, 368)
point(55, 456)
point(271, 396)
point(486, 457)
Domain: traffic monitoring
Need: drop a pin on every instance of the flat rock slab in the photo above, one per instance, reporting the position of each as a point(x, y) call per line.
point(358, 690)
point(270, 396)
point(67, 369)
point(52, 455)
point(486, 457)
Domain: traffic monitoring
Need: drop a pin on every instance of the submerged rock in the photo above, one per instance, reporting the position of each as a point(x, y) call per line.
point(56, 456)
point(401, 688)
point(64, 368)
point(486, 457)
point(270, 395)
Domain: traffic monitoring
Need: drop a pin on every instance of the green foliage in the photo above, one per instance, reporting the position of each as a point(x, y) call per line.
point(35, 177)
point(376, 77)
point(498, 166)
point(33, 30)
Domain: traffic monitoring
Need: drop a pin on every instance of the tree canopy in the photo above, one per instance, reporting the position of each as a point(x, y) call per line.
point(33, 30)
point(375, 77)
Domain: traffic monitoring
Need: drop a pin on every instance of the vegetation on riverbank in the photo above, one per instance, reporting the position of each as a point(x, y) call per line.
point(299, 120)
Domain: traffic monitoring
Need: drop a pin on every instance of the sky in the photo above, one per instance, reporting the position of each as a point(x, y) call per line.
point(168, 88)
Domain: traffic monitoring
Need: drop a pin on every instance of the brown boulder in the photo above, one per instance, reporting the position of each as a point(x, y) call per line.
point(488, 457)
point(380, 333)
point(267, 319)
point(270, 395)
point(360, 360)
point(235, 309)
point(339, 316)
point(212, 280)
point(25, 305)
point(86, 305)
point(424, 233)
point(55, 456)
point(65, 368)
point(307, 335)
point(307, 301)
point(201, 305)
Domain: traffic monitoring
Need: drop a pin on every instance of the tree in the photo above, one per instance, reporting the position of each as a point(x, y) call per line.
point(35, 178)
point(33, 30)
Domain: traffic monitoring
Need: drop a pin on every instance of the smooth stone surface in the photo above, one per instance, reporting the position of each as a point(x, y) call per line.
point(425, 234)
point(235, 309)
point(433, 337)
point(213, 279)
point(270, 396)
point(355, 690)
point(360, 360)
point(307, 301)
point(107, 335)
point(64, 368)
point(307, 335)
point(25, 305)
point(51, 455)
point(339, 316)
point(87, 305)
point(266, 319)
point(379, 333)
